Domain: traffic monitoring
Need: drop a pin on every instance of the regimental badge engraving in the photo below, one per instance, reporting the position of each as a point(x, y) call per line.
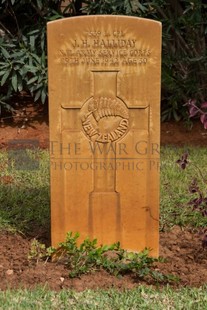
point(104, 118)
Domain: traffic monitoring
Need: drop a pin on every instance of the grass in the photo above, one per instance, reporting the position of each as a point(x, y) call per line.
point(24, 194)
point(24, 200)
point(140, 298)
point(174, 192)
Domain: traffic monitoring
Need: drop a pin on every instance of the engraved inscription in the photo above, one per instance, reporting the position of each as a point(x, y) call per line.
point(105, 43)
point(104, 49)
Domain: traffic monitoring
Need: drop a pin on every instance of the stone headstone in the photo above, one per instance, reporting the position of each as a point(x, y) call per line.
point(104, 103)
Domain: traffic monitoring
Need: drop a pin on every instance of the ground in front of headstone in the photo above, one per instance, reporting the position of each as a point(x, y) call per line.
point(182, 249)
point(185, 256)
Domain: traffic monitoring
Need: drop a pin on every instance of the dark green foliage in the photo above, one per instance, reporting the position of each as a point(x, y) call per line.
point(184, 63)
point(23, 68)
point(23, 53)
point(114, 7)
point(184, 55)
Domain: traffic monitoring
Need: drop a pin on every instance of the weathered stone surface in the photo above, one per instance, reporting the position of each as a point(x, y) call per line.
point(104, 97)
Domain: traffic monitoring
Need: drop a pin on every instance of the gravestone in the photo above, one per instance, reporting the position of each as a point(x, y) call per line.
point(104, 109)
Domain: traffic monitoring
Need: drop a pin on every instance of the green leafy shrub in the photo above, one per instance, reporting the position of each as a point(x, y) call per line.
point(88, 257)
point(23, 52)
point(22, 69)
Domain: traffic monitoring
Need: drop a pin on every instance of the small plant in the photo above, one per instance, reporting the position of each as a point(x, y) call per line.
point(196, 111)
point(84, 258)
point(198, 203)
point(37, 251)
point(183, 161)
point(89, 257)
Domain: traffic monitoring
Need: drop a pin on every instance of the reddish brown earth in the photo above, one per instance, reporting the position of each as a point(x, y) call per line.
point(182, 249)
point(184, 255)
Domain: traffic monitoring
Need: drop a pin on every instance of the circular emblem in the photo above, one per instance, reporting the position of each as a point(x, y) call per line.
point(104, 119)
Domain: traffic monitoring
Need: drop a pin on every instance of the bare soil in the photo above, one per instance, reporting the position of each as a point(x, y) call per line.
point(185, 256)
point(182, 249)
